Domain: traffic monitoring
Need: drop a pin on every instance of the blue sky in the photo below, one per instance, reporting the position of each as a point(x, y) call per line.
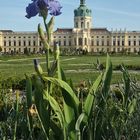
point(114, 14)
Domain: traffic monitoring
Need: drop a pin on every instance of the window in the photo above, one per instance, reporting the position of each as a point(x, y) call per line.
point(69, 43)
point(34, 50)
point(59, 42)
point(97, 49)
point(102, 43)
point(129, 43)
point(129, 49)
point(87, 24)
point(134, 43)
point(82, 25)
point(75, 41)
point(139, 43)
point(9, 43)
point(14, 49)
point(76, 24)
point(19, 49)
point(24, 43)
point(29, 43)
point(122, 43)
point(40, 43)
point(80, 42)
point(85, 41)
point(4, 43)
point(114, 43)
point(19, 43)
point(97, 43)
point(40, 49)
point(34, 43)
point(64, 42)
point(92, 43)
point(14, 43)
point(108, 43)
point(118, 43)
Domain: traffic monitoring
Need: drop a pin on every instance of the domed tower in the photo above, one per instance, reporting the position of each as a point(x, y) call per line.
point(82, 16)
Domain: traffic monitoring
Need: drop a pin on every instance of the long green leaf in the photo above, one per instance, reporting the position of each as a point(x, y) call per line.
point(55, 106)
point(28, 91)
point(41, 106)
point(107, 77)
point(70, 97)
point(29, 101)
point(90, 98)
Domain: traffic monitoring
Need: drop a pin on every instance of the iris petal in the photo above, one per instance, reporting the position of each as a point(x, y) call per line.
point(31, 10)
point(43, 5)
point(54, 7)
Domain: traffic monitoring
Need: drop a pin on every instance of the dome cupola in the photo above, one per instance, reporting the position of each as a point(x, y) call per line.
point(82, 16)
point(82, 10)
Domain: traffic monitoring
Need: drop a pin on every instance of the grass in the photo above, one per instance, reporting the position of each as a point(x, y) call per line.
point(76, 68)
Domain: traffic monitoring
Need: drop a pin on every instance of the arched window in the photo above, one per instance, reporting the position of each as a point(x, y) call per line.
point(19, 43)
point(34, 43)
point(134, 43)
point(9, 43)
point(4, 43)
point(76, 24)
point(129, 43)
point(92, 43)
point(24, 43)
point(59, 42)
point(75, 42)
point(29, 43)
point(80, 42)
point(14, 43)
point(85, 41)
point(82, 24)
point(87, 24)
point(64, 42)
point(69, 43)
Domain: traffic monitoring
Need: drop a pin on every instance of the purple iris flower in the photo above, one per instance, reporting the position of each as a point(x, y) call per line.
point(37, 6)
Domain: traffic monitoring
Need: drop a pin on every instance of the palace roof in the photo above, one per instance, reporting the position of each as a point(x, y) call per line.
point(62, 30)
point(6, 31)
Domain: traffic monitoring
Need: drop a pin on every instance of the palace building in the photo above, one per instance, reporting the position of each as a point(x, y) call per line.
point(82, 36)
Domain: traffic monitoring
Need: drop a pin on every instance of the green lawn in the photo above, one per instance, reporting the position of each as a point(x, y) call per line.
point(76, 67)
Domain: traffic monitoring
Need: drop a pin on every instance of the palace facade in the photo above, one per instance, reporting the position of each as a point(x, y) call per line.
point(83, 36)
